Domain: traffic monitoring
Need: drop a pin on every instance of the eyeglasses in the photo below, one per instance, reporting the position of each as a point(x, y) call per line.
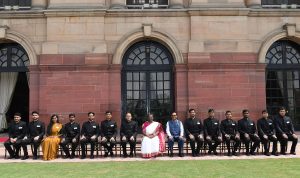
point(173, 115)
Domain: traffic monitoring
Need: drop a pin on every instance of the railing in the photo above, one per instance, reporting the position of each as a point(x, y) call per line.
point(280, 4)
point(147, 4)
point(15, 4)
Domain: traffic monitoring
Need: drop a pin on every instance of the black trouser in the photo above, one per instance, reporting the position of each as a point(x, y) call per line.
point(16, 145)
point(197, 140)
point(85, 141)
point(65, 143)
point(108, 145)
point(266, 143)
point(227, 140)
point(211, 146)
point(283, 143)
point(254, 138)
point(35, 143)
point(132, 145)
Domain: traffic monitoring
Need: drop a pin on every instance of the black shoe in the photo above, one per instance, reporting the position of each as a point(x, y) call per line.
point(252, 153)
point(235, 154)
point(11, 157)
point(72, 156)
point(131, 154)
point(171, 155)
point(180, 155)
point(267, 154)
point(293, 153)
point(83, 157)
point(25, 157)
point(92, 157)
point(17, 157)
point(66, 156)
point(247, 154)
point(229, 154)
point(209, 152)
point(283, 153)
point(125, 155)
point(105, 154)
point(34, 157)
point(215, 153)
point(194, 154)
point(275, 154)
point(111, 154)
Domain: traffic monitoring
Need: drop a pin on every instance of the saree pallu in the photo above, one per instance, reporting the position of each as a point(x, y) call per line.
point(51, 143)
point(152, 147)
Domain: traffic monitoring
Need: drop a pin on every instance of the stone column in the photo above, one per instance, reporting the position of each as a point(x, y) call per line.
point(253, 3)
point(176, 4)
point(39, 4)
point(117, 4)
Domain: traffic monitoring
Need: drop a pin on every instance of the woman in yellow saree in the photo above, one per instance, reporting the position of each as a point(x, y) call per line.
point(51, 143)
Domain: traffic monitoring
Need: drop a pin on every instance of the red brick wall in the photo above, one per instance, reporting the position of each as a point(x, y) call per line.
point(81, 83)
point(75, 83)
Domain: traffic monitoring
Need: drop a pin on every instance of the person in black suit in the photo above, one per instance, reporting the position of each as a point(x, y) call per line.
point(89, 134)
point(35, 135)
point(247, 130)
point(16, 132)
point(229, 129)
point(212, 132)
point(71, 134)
point(266, 132)
point(194, 132)
point(285, 131)
point(108, 134)
point(128, 134)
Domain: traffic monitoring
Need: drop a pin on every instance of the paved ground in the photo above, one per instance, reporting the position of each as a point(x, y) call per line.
point(138, 158)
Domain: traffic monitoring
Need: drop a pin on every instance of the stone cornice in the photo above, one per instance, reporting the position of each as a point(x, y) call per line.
point(201, 11)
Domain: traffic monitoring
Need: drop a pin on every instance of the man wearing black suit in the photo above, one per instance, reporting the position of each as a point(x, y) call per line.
point(16, 131)
point(35, 135)
point(71, 134)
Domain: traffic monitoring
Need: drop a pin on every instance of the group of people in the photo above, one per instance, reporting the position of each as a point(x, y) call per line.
point(211, 132)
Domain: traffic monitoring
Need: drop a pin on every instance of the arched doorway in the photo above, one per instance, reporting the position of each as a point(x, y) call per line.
point(147, 81)
point(14, 90)
point(283, 78)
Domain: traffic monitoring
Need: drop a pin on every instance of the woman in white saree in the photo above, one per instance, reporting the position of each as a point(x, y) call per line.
point(153, 142)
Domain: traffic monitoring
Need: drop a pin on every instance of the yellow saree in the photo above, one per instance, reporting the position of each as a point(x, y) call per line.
point(51, 143)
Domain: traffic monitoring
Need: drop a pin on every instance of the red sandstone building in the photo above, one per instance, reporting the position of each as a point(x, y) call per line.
point(154, 56)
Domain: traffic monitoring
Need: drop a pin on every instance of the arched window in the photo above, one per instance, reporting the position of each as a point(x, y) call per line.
point(13, 58)
point(282, 78)
point(147, 81)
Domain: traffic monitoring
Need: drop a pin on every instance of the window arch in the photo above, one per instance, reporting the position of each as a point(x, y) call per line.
point(13, 58)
